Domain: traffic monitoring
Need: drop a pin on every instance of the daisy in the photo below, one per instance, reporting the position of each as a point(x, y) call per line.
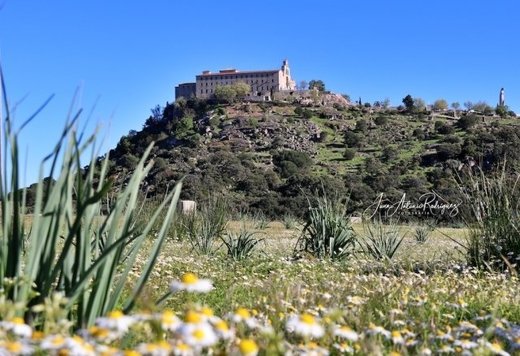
point(182, 349)
point(115, 320)
point(344, 348)
point(222, 329)
point(191, 283)
point(17, 326)
point(15, 348)
point(248, 347)
point(244, 315)
point(378, 330)
point(169, 321)
point(496, 349)
point(397, 338)
point(345, 332)
point(161, 348)
point(53, 342)
point(198, 335)
point(465, 344)
point(304, 325)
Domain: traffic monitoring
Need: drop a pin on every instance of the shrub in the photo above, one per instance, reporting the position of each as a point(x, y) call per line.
point(353, 139)
point(448, 150)
point(361, 125)
point(381, 120)
point(327, 232)
point(419, 133)
point(381, 241)
point(446, 129)
point(467, 122)
point(349, 154)
point(240, 245)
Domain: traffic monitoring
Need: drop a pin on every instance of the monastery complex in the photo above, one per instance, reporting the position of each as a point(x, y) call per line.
point(263, 83)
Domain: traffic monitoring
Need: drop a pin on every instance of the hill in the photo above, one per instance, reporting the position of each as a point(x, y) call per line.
point(266, 156)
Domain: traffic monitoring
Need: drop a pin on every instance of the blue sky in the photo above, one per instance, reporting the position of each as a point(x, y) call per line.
point(127, 56)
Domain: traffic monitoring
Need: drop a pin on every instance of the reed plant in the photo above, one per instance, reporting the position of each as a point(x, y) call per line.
point(327, 232)
point(493, 220)
point(381, 241)
point(240, 245)
point(68, 246)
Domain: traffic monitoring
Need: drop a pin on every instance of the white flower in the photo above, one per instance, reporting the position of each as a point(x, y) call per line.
point(162, 348)
point(198, 335)
point(397, 338)
point(17, 326)
point(15, 348)
point(115, 320)
point(304, 325)
point(378, 330)
point(243, 315)
point(169, 321)
point(222, 329)
point(465, 344)
point(191, 283)
point(496, 349)
point(53, 342)
point(345, 332)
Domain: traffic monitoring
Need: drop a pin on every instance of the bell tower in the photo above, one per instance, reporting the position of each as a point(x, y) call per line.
point(502, 98)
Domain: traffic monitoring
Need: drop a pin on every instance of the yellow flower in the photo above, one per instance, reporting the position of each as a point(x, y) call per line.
point(248, 347)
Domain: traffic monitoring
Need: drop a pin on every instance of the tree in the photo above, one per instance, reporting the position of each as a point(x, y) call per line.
point(225, 93)
point(385, 103)
point(468, 105)
point(419, 104)
point(502, 110)
point(303, 85)
point(318, 84)
point(483, 107)
point(228, 93)
point(241, 89)
point(440, 105)
point(408, 102)
point(455, 107)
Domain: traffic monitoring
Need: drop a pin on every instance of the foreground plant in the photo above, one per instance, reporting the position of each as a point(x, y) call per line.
point(70, 247)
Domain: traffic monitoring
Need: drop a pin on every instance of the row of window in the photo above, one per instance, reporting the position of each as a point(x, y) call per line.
point(236, 76)
point(230, 82)
point(210, 91)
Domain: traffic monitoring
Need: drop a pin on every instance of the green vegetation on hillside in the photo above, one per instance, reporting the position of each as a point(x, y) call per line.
point(267, 156)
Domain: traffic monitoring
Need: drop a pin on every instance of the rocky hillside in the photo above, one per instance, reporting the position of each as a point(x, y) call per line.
point(267, 156)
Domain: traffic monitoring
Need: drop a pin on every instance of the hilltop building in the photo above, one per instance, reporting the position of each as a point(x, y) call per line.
point(263, 83)
point(502, 98)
